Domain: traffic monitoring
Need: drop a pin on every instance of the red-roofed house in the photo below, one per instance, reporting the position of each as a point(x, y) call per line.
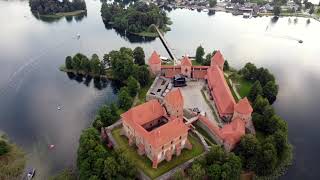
point(155, 63)
point(217, 59)
point(156, 134)
point(220, 92)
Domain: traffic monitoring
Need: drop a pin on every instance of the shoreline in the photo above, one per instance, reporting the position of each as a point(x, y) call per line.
point(63, 14)
point(106, 76)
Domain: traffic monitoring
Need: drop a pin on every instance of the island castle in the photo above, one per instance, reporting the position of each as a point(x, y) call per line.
point(158, 127)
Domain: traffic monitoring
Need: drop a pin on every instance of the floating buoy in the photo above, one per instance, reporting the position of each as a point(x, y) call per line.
point(51, 146)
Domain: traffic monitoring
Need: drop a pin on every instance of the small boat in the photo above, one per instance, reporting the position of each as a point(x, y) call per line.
point(300, 41)
point(51, 146)
point(78, 36)
point(59, 107)
point(31, 173)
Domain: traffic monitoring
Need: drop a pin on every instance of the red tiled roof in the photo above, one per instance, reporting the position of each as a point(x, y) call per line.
point(155, 58)
point(243, 106)
point(166, 133)
point(174, 98)
point(170, 67)
point(186, 61)
point(144, 113)
point(232, 132)
point(220, 91)
point(217, 58)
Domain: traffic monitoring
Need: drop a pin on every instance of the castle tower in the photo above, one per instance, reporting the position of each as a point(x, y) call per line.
point(242, 110)
point(154, 63)
point(173, 102)
point(186, 66)
point(217, 59)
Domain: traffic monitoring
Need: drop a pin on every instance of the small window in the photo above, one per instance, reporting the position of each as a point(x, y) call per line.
point(162, 147)
point(180, 137)
point(171, 142)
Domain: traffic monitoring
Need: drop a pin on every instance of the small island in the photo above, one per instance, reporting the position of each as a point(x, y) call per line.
point(248, 140)
point(56, 8)
point(137, 18)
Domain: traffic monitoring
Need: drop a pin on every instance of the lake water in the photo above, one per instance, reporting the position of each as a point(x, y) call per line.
point(32, 87)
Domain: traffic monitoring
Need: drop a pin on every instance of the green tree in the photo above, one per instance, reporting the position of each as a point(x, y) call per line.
point(199, 54)
point(216, 154)
point(124, 99)
point(212, 3)
point(4, 147)
point(106, 115)
point(143, 75)
point(264, 76)
point(280, 141)
point(255, 90)
point(270, 91)
point(196, 172)
point(267, 159)
point(68, 62)
point(114, 111)
point(95, 64)
point(214, 171)
point(247, 150)
point(106, 60)
point(226, 66)
point(236, 166)
point(121, 63)
point(85, 64)
point(139, 56)
point(249, 72)
point(276, 10)
point(260, 104)
point(76, 62)
point(133, 86)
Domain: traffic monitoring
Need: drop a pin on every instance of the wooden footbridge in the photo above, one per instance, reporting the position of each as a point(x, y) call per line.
point(165, 44)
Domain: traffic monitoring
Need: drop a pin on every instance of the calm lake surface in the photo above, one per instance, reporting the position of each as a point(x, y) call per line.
point(31, 85)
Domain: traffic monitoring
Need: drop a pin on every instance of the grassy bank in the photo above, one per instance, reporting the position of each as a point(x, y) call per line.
point(143, 163)
point(13, 163)
point(58, 15)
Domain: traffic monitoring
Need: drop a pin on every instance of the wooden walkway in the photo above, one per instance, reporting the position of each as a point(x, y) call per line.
point(165, 43)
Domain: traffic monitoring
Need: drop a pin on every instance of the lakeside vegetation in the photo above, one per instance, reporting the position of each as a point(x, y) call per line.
point(56, 9)
point(137, 18)
point(12, 160)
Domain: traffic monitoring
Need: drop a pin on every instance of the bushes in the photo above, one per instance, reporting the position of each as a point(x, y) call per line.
point(4, 147)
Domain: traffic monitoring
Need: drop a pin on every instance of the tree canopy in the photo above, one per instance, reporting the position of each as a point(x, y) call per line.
point(81, 63)
point(96, 162)
point(45, 7)
point(199, 54)
point(138, 55)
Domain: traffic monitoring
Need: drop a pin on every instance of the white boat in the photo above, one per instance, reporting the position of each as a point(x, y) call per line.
point(59, 107)
point(31, 173)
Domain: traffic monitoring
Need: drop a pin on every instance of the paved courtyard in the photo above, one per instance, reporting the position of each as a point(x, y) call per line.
point(193, 98)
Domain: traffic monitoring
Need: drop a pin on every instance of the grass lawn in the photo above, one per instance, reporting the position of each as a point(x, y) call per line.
point(244, 87)
point(143, 163)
